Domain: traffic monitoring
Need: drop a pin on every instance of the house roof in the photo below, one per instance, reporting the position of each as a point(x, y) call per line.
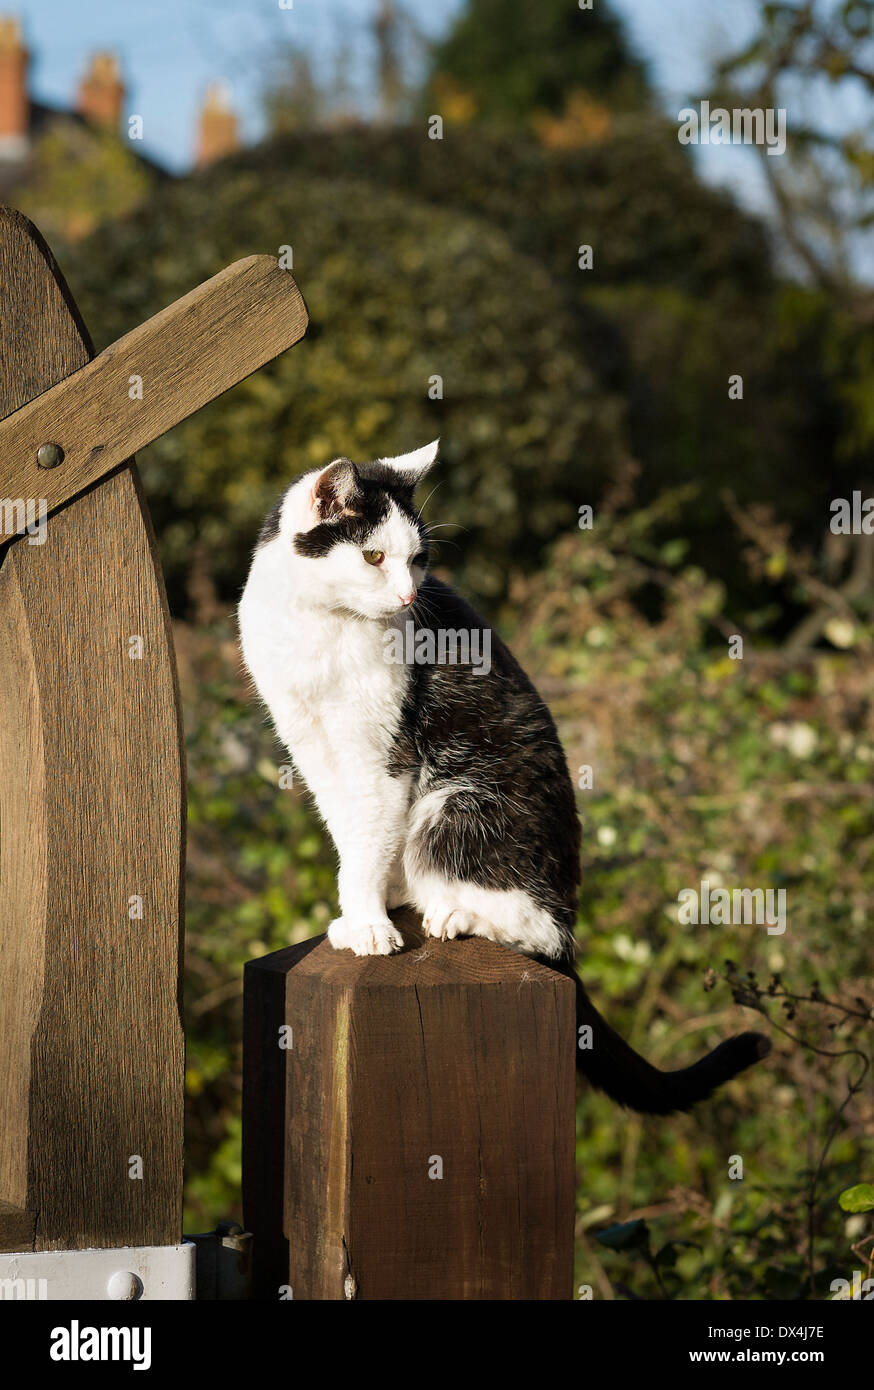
point(16, 170)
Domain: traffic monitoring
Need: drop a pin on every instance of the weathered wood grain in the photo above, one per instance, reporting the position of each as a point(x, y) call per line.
point(264, 1148)
point(17, 1228)
point(185, 356)
point(461, 1051)
point(91, 816)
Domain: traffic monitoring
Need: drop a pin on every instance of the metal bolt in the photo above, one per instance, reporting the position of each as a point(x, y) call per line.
point(49, 455)
point(124, 1286)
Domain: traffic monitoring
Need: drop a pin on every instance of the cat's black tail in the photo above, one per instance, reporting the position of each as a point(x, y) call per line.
point(615, 1068)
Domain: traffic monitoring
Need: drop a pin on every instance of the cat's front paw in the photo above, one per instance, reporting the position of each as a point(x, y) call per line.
point(446, 919)
point(366, 938)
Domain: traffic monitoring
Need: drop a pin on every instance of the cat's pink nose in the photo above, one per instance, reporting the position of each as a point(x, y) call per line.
point(407, 599)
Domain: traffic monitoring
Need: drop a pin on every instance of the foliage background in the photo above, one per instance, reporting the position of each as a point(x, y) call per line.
point(561, 388)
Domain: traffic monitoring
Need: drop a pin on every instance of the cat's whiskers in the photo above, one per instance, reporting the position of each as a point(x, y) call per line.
point(421, 606)
point(427, 500)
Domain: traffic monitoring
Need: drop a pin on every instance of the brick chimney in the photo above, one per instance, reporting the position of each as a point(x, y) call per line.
point(14, 98)
point(217, 133)
point(101, 92)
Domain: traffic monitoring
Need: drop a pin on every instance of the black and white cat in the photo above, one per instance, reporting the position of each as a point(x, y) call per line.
point(443, 782)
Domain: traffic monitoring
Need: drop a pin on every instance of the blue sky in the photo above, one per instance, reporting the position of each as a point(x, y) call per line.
point(172, 48)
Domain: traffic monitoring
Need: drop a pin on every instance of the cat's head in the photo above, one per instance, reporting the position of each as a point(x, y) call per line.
point(353, 534)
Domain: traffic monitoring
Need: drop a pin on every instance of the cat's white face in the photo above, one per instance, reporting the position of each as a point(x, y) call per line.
point(344, 578)
point(353, 545)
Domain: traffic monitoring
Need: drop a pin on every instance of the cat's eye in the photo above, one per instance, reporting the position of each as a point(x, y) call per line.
point(421, 560)
point(374, 557)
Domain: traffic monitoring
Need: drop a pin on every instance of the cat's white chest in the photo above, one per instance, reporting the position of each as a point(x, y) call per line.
point(326, 678)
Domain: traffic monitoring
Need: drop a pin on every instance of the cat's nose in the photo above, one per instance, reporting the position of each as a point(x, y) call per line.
point(407, 599)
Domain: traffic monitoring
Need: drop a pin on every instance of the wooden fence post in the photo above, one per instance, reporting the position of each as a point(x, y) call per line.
point(408, 1123)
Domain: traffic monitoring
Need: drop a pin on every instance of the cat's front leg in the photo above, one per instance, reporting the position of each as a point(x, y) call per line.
point(366, 816)
point(398, 893)
point(367, 849)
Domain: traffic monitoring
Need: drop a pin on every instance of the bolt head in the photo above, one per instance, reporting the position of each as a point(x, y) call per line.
point(124, 1286)
point(49, 455)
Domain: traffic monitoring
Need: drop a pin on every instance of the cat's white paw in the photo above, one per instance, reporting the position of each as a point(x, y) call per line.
point(367, 938)
point(445, 919)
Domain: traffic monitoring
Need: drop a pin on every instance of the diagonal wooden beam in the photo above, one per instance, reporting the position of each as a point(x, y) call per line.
point(185, 356)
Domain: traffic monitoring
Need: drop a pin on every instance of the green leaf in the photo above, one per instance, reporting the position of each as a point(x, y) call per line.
point(674, 552)
point(628, 1235)
point(858, 1198)
point(666, 1258)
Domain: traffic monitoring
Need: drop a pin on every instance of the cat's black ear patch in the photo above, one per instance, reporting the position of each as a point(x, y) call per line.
point(337, 491)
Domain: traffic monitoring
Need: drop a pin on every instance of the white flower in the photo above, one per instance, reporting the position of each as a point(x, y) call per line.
point(801, 739)
point(639, 952)
point(235, 751)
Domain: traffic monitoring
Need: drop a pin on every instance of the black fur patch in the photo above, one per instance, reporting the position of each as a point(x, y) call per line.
point(518, 827)
point(378, 488)
point(354, 527)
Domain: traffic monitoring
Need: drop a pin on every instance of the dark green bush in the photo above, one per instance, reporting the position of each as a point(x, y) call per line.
point(398, 292)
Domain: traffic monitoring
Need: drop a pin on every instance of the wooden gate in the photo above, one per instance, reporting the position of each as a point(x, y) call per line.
point(92, 784)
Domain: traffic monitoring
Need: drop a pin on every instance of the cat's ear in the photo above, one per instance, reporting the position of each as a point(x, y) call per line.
point(413, 467)
point(336, 491)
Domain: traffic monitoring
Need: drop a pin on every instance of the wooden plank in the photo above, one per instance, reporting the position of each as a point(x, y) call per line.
point(458, 1051)
point(185, 356)
point(40, 341)
point(17, 1228)
point(91, 818)
point(264, 1145)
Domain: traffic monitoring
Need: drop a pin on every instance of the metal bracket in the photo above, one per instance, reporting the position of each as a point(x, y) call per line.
point(128, 1274)
point(224, 1263)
